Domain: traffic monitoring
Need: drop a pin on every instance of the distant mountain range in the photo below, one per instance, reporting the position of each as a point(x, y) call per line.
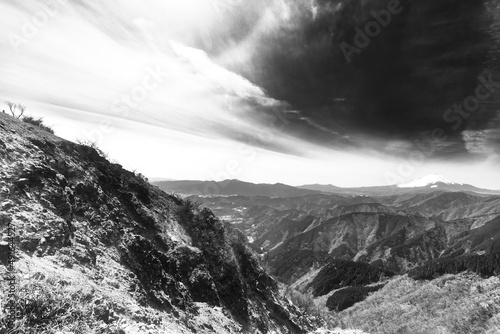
point(321, 237)
point(397, 232)
point(232, 187)
point(159, 179)
point(430, 183)
point(427, 183)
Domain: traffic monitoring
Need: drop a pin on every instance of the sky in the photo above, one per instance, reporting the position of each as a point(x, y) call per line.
point(266, 91)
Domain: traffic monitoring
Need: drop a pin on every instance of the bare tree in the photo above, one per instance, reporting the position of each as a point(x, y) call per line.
point(16, 109)
point(21, 108)
point(11, 105)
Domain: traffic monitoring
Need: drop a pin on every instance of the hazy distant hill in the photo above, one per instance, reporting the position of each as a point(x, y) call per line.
point(427, 184)
point(397, 190)
point(232, 187)
point(446, 205)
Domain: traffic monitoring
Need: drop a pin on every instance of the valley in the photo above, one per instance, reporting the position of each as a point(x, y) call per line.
point(300, 239)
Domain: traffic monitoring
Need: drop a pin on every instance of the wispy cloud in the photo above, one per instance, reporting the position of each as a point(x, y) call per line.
point(208, 76)
point(80, 60)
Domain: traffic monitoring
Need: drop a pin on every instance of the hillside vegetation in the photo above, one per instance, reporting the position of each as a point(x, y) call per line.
point(347, 297)
point(452, 304)
point(483, 265)
point(342, 273)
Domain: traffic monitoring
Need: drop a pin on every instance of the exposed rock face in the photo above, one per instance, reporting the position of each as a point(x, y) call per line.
point(73, 207)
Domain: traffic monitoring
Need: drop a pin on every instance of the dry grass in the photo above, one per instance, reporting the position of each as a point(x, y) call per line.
point(451, 304)
point(50, 305)
point(58, 300)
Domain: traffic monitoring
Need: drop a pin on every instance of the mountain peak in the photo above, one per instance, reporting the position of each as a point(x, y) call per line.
point(429, 180)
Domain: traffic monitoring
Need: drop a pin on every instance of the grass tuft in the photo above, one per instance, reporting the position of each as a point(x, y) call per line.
point(37, 122)
point(51, 306)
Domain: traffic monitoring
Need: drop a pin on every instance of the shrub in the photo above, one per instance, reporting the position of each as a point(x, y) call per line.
point(37, 122)
point(141, 176)
point(304, 301)
point(93, 145)
point(47, 305)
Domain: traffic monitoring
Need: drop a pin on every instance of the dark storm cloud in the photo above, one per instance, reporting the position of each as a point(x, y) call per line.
point(427, 59)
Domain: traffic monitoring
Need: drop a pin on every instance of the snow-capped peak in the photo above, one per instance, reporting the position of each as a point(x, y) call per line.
point(425, 181)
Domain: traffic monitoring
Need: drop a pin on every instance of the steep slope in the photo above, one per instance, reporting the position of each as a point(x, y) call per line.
point(150, 262)
point(481, 240)
point(395, 241)
point(284, 229)
point(269, 221)
point(289, 266)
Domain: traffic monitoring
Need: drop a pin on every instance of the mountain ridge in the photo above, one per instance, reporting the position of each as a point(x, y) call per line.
point(232, 187)
point(236, 187)
point(427, 180)
point(428, 183)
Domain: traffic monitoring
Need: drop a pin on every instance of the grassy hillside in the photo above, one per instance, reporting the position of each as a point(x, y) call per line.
point(452, 304)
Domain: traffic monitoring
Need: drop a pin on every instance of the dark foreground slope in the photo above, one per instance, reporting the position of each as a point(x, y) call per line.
point(106, 252)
